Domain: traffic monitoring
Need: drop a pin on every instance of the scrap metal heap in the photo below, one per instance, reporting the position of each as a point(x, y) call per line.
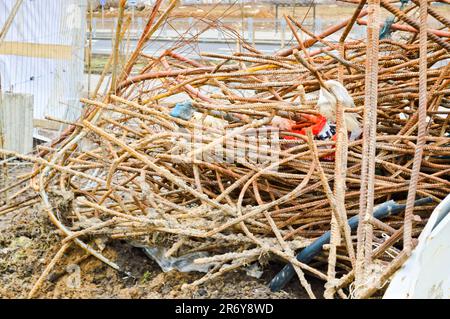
point(236, 160)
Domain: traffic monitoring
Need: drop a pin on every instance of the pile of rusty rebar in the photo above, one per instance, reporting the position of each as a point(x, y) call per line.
point(241, 175)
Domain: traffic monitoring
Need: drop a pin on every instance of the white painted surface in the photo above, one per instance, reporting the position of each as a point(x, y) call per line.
point(16, 122)
point(426, 274)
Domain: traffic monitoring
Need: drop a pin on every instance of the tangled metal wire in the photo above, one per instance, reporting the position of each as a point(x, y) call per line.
point(130, 169)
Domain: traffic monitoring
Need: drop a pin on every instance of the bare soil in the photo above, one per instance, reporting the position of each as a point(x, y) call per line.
point(28, 241)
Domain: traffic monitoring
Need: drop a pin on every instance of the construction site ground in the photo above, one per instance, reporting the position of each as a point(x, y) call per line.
point(28, 241)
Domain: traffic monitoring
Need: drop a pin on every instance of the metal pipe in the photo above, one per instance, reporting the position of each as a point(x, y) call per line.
point(308, 253)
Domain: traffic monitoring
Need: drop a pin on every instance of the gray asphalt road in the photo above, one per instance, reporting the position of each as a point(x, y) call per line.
point(103, 46)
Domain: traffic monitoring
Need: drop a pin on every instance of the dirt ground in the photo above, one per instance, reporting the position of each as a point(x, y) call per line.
point(28, 241)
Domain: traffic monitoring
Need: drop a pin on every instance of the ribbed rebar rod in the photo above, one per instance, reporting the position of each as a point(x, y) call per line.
point(402, 16)
point(423, 39)
point(364, 234)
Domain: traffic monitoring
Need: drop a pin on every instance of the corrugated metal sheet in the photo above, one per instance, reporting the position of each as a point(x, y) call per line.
point(16, 122)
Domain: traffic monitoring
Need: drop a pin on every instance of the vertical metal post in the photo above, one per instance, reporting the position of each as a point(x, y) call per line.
point(276, 18)
point(140, 25)
point(116, 47)
point(314, 18)
point(89, 51)
point(283, 32)
point(190, 22)
point(251, 30)
point(94, 27)
point(318, 26)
